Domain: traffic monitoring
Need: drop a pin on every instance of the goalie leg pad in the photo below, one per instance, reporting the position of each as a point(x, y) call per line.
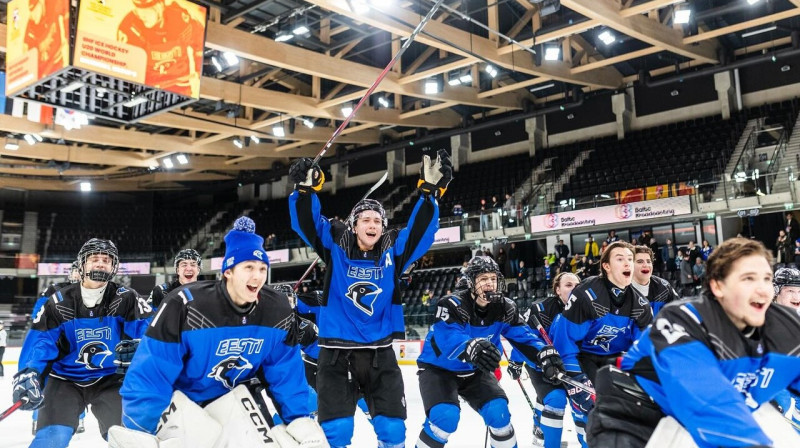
point(121, 437)
point(241, 420)
point(185, 420)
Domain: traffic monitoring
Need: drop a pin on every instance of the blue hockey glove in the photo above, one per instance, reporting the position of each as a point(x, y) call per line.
point(27, 387)
point(580, 399)
point(124, 352)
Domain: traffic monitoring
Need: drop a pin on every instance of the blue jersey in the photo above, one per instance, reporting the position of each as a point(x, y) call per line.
point(203, 345)
point(459, 320)
point(699, 368)
point(37, 308)
point(594, 322)
point(705, 252)
point(361, 306)
point(77, 342)
point(545, 312)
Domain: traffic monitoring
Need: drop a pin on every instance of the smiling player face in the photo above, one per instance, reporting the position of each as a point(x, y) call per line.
point(245, 280)
point(368, 229)
point(642, 268)
point(619, 267)
point(746, 293)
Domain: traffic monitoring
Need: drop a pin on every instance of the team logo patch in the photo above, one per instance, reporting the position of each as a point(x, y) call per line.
point(229, 370)
point(642, 301)
point(92, 355)
point(258, 254)
point(604, 337)
point(617, 291)
point(363, 295)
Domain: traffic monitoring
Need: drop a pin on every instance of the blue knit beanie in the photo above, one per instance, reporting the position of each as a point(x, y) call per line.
point(242, 244)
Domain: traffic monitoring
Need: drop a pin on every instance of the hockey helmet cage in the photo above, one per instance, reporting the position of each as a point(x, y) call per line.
point(480, 264)
point(287, 290)
point(365, 205)
point(188, 254)
point(76, 267)
point(102, 247)
point(785, 277)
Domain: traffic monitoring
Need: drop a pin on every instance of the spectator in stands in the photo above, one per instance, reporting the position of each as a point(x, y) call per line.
point(687, 275)
point(699, 271)
point(426, 297)
point(591, 250)
point(501, 261)
point(3, 343)
point(693, 252)
point(458, 211)
point(612, 237)
point(522, 277)
point(668, 254)
point(549, 273)
point(563, 266)
point(562, 250)
point(792, 228)
point(605, 245)
point(653, 245)
point(581, 266)
point(513, 258)
point(488, 253)
point(497, 211)
point(797, 252)
point(270, 241)
point(510, 207)
point(706, 250)
point(484, 210)
point(782, 247)
point(550, 259)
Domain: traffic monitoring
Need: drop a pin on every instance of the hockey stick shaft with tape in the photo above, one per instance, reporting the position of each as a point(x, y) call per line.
point(563, 377)
point(13, 408)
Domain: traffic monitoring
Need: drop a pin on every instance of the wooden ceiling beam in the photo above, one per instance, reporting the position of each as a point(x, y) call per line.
point(642, 8)
point(699, 38)
point(642, 28)
point(551, 36)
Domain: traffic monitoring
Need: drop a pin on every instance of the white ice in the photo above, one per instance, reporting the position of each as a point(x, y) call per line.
point(15, 431)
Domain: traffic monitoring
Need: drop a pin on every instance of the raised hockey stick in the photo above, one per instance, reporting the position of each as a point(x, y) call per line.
point(305, 274)
point(383, 74)
point(563, 377)
point(13, 408)
point(377, 185)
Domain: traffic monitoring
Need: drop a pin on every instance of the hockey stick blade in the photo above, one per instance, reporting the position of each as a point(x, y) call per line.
point(377, 185)
point(13, 408)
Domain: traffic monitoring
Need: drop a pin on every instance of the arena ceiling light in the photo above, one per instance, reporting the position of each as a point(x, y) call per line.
point(238, 143)
point(167, 163)
point(347, 109)
point(33, 139)
point(383, 101)
point(301, 27)
point(759, 31)
point(682, 15)
point(466, 77)
point(552, 52)
point(307, 122)
point(255, 139)
point(544, 87)
point(431, 86)
point(491, 70)
point(216, 63)
point(359, 6)
point(86, 187)
point(12, 144)
point(278, 131)
point(283, 36)
point(453, 78)
point(607, 37)
point(752, 2)
point(230, 58)
point(182, 159)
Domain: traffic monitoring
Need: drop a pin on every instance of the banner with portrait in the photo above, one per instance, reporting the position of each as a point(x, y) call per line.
point(654, 192)
point(157, 43)
point(37, 43)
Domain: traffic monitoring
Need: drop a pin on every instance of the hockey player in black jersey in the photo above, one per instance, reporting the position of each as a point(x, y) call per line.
point(461, 353)
point(551, 399)
point(657, 290)
point(601, 320)
point(188, 265)
point(361, 310)
point(787, 293)
point(741, 348)
point(209, 337)
point(72, 343)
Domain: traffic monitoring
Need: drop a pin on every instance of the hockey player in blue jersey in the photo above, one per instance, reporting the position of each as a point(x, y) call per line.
point(74, 277)
point(361, 311)
point(742, 348)
point(188, 265)
point(787, 293)
point(657, 290)
point(462, 351)
point(71, 345)
point(207, 339)
point(602, 318)
point(551, 399)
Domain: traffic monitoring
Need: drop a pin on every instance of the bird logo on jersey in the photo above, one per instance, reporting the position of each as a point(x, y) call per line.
point(229, 370)
point(361, 292)
point(604, 337)
point(93, 354)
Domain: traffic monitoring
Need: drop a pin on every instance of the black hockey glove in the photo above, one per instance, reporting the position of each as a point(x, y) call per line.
point(307, 332)
point(580, 399)
point(27, 387)
point(514, 369)
point(306, 175)
point(483, 354)
point(435, 176)
point(551, 364)
point(124, 352)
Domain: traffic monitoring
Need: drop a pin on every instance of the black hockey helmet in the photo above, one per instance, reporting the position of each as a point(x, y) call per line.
point(364, 205)
point(76, 267)
point(785, 277)
point(102, 247)
point(480, 264)
point(188, 254)
point(288, 290)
